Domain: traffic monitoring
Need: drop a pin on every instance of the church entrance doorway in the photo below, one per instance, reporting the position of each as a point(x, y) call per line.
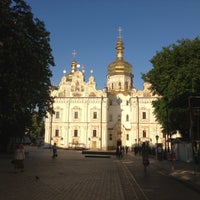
point(94, 144)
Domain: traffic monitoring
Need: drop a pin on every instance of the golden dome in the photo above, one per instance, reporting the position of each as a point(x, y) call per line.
point(73, 69)
point(119, 66)
point(69, 77)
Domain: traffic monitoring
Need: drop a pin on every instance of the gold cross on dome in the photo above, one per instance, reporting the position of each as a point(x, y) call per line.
point(120, 33)
point(74, 54)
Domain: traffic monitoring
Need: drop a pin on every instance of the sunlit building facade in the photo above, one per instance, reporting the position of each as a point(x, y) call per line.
point(102, 119)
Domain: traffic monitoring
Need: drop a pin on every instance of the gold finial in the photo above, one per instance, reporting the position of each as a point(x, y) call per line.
point(74, 64)
point(120, 33)
point(74, 54)
point(120, 45)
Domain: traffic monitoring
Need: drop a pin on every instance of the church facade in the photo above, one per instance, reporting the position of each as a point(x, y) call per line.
point(85, 117)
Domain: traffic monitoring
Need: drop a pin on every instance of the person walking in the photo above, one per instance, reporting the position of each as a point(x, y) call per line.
point(145, 157)
point(119, 151)
point(126, 150)
point(19, 157)
point(54, 148)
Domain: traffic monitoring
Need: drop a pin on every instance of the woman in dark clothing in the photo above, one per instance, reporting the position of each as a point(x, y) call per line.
point(145, 156)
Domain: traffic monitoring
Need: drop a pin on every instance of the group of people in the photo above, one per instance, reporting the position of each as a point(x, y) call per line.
point(121, 150)
point(19, 157)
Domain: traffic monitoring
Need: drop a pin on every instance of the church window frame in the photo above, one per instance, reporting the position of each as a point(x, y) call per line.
point(127, 137)
point(144, 133)
point(120, 85)
point(127, 118)
point(95, 115)
point(110, 136)
point(144, 115)
point(75, 133)
point(56, 133)
point(126, 85)
point(57, 114)
point(94, 133)
point(75, 115)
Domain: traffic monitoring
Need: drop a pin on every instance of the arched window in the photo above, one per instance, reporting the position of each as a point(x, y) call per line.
point(127, 118)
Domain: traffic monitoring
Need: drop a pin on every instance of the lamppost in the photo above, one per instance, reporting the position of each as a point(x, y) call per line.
point(51, 128)
point(138, 121)
point(157, 147)
point(51, 112)
point(101, 122)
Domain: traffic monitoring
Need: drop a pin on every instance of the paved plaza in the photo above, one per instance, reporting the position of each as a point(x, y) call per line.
point(70, 176)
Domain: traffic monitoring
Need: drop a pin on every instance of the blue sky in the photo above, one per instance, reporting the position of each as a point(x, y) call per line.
point(91, 28)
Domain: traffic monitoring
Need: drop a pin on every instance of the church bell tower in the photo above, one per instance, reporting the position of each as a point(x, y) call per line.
point(119, 77)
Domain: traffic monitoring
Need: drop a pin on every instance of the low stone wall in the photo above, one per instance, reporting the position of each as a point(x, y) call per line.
point(98, 152)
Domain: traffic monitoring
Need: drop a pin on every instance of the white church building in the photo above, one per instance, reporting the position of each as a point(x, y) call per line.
point(102, 119)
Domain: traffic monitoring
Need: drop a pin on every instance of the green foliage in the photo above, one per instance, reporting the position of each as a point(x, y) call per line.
point(175, 76)
point(37, 129)
point(25, 60)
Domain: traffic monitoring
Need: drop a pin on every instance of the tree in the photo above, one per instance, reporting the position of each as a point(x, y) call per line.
point(175, 76)
point(37, 129)
point(25, 60)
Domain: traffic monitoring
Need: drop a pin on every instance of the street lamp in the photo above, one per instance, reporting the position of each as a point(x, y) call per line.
point(51, 112)
point(51, 121)
point(138, 121)
point(101, 122)
point(157, 147)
